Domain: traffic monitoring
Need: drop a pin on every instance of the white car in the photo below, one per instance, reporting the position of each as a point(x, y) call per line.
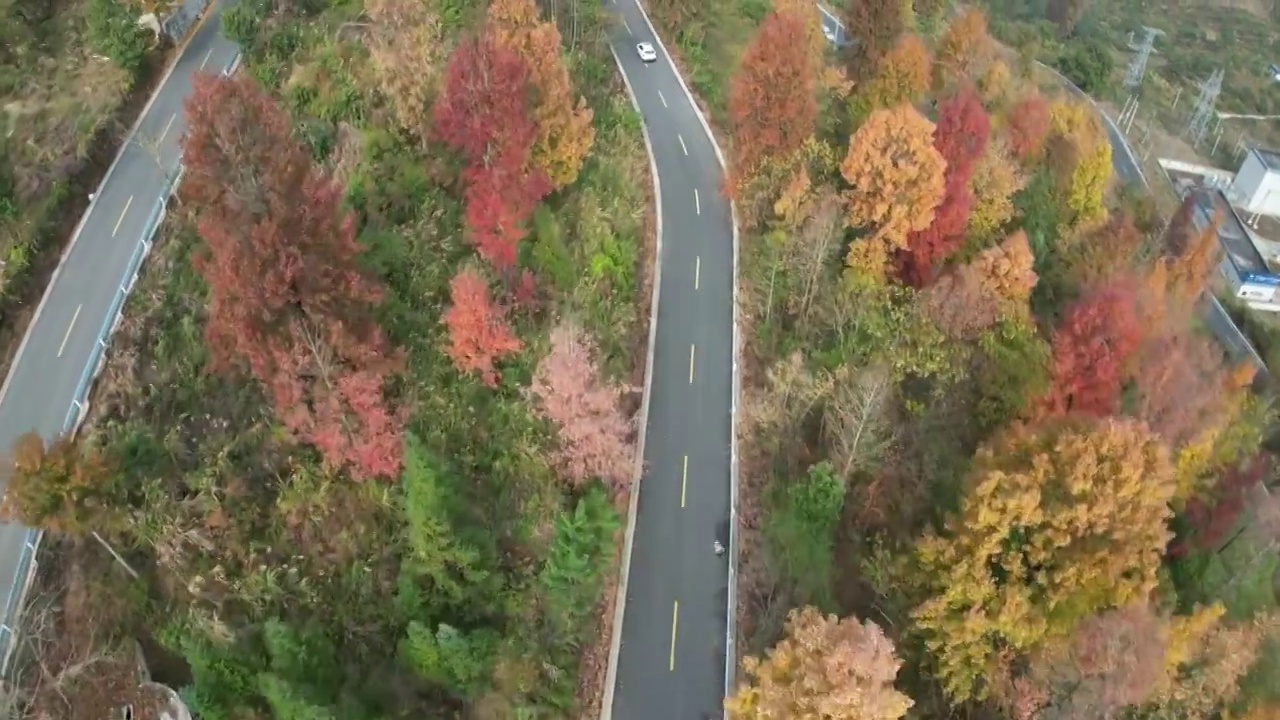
point(829, 33)
point(647, 53)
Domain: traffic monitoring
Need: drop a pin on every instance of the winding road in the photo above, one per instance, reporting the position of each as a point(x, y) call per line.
point(65, 336)
point(671, 660)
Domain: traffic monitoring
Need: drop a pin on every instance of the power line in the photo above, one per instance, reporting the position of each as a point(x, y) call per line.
point(1203, 112)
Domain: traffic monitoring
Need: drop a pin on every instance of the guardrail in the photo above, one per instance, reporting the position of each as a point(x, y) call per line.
point(80, 399)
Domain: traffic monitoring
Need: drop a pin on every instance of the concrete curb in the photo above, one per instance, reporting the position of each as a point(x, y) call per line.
point(84, 217)
point(620, 598)
point(730, 652)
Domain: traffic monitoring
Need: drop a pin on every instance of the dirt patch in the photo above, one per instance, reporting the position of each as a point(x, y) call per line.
point(25, 291)
point(74, 663)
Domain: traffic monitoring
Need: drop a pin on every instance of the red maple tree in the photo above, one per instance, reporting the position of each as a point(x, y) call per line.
point(478, 332)
point(962, 131)
point(595, 437)
point(960, 137)
point(1098, 336)
point(1183, 388)
point(484, 113)
point(1027, 126)
point(772, 103)
point(287, 295)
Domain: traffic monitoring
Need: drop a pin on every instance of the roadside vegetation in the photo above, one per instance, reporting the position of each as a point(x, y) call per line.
point(992, 465)
point(366, 431)
point(73, 76)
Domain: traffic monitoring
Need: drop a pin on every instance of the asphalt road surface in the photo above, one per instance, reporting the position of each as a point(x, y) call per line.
point(672, 660)
point(45, 375)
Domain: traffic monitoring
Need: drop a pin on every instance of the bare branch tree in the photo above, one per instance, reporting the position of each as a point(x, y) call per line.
point(855, 422)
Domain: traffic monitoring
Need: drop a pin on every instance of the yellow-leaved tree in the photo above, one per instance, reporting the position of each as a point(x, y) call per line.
point(995, 285)
point(996, 179)
point(565, 133)
point(901, 76)
point(895, 184)
point(824, 667)
point(1058, 521)
point(408, 50)
point(1086, 157)
point(964, 49)
point(995, 82)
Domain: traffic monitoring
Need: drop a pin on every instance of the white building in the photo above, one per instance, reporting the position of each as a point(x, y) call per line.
point(1256, 188)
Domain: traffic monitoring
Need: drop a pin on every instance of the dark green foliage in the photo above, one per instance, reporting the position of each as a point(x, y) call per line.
point(114, 32)
point(1040, 207)
point(549, 256)
point(801, 529)
point(459, 661)
point(1012, 371)
point(1088, 64)
point(572, 574)
point(240, 23)
point(441, 563)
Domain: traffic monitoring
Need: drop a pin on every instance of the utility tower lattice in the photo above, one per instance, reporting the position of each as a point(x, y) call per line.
point(1203, 112)
point(1138, 65)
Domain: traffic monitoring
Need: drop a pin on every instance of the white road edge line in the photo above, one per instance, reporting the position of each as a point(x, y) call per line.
point(70, 326)
point(730, 664)
point(633, 502)
point(675, 622)
point(84, 218)
point(123, 212)
point(684, 480)
point(731, 600)
point(166, 128)
point(683, 147)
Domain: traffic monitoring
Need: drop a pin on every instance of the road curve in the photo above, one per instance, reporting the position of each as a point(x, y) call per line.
point(671, 660)
point(51, 361)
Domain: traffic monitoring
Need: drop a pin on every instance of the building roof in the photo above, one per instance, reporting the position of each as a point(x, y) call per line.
point(1270, 158)
point(1207, 185)
point(1232, 234)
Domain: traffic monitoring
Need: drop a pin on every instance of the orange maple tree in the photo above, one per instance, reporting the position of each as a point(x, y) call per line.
point(1027, 126)
point(895, 175)
point(901, 76)
point(823, 667)
point(478, 332)
point(995, 285)
point(772, 101)
point(963, 49)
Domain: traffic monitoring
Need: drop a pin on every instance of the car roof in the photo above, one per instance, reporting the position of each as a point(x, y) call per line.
point(644, 45)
